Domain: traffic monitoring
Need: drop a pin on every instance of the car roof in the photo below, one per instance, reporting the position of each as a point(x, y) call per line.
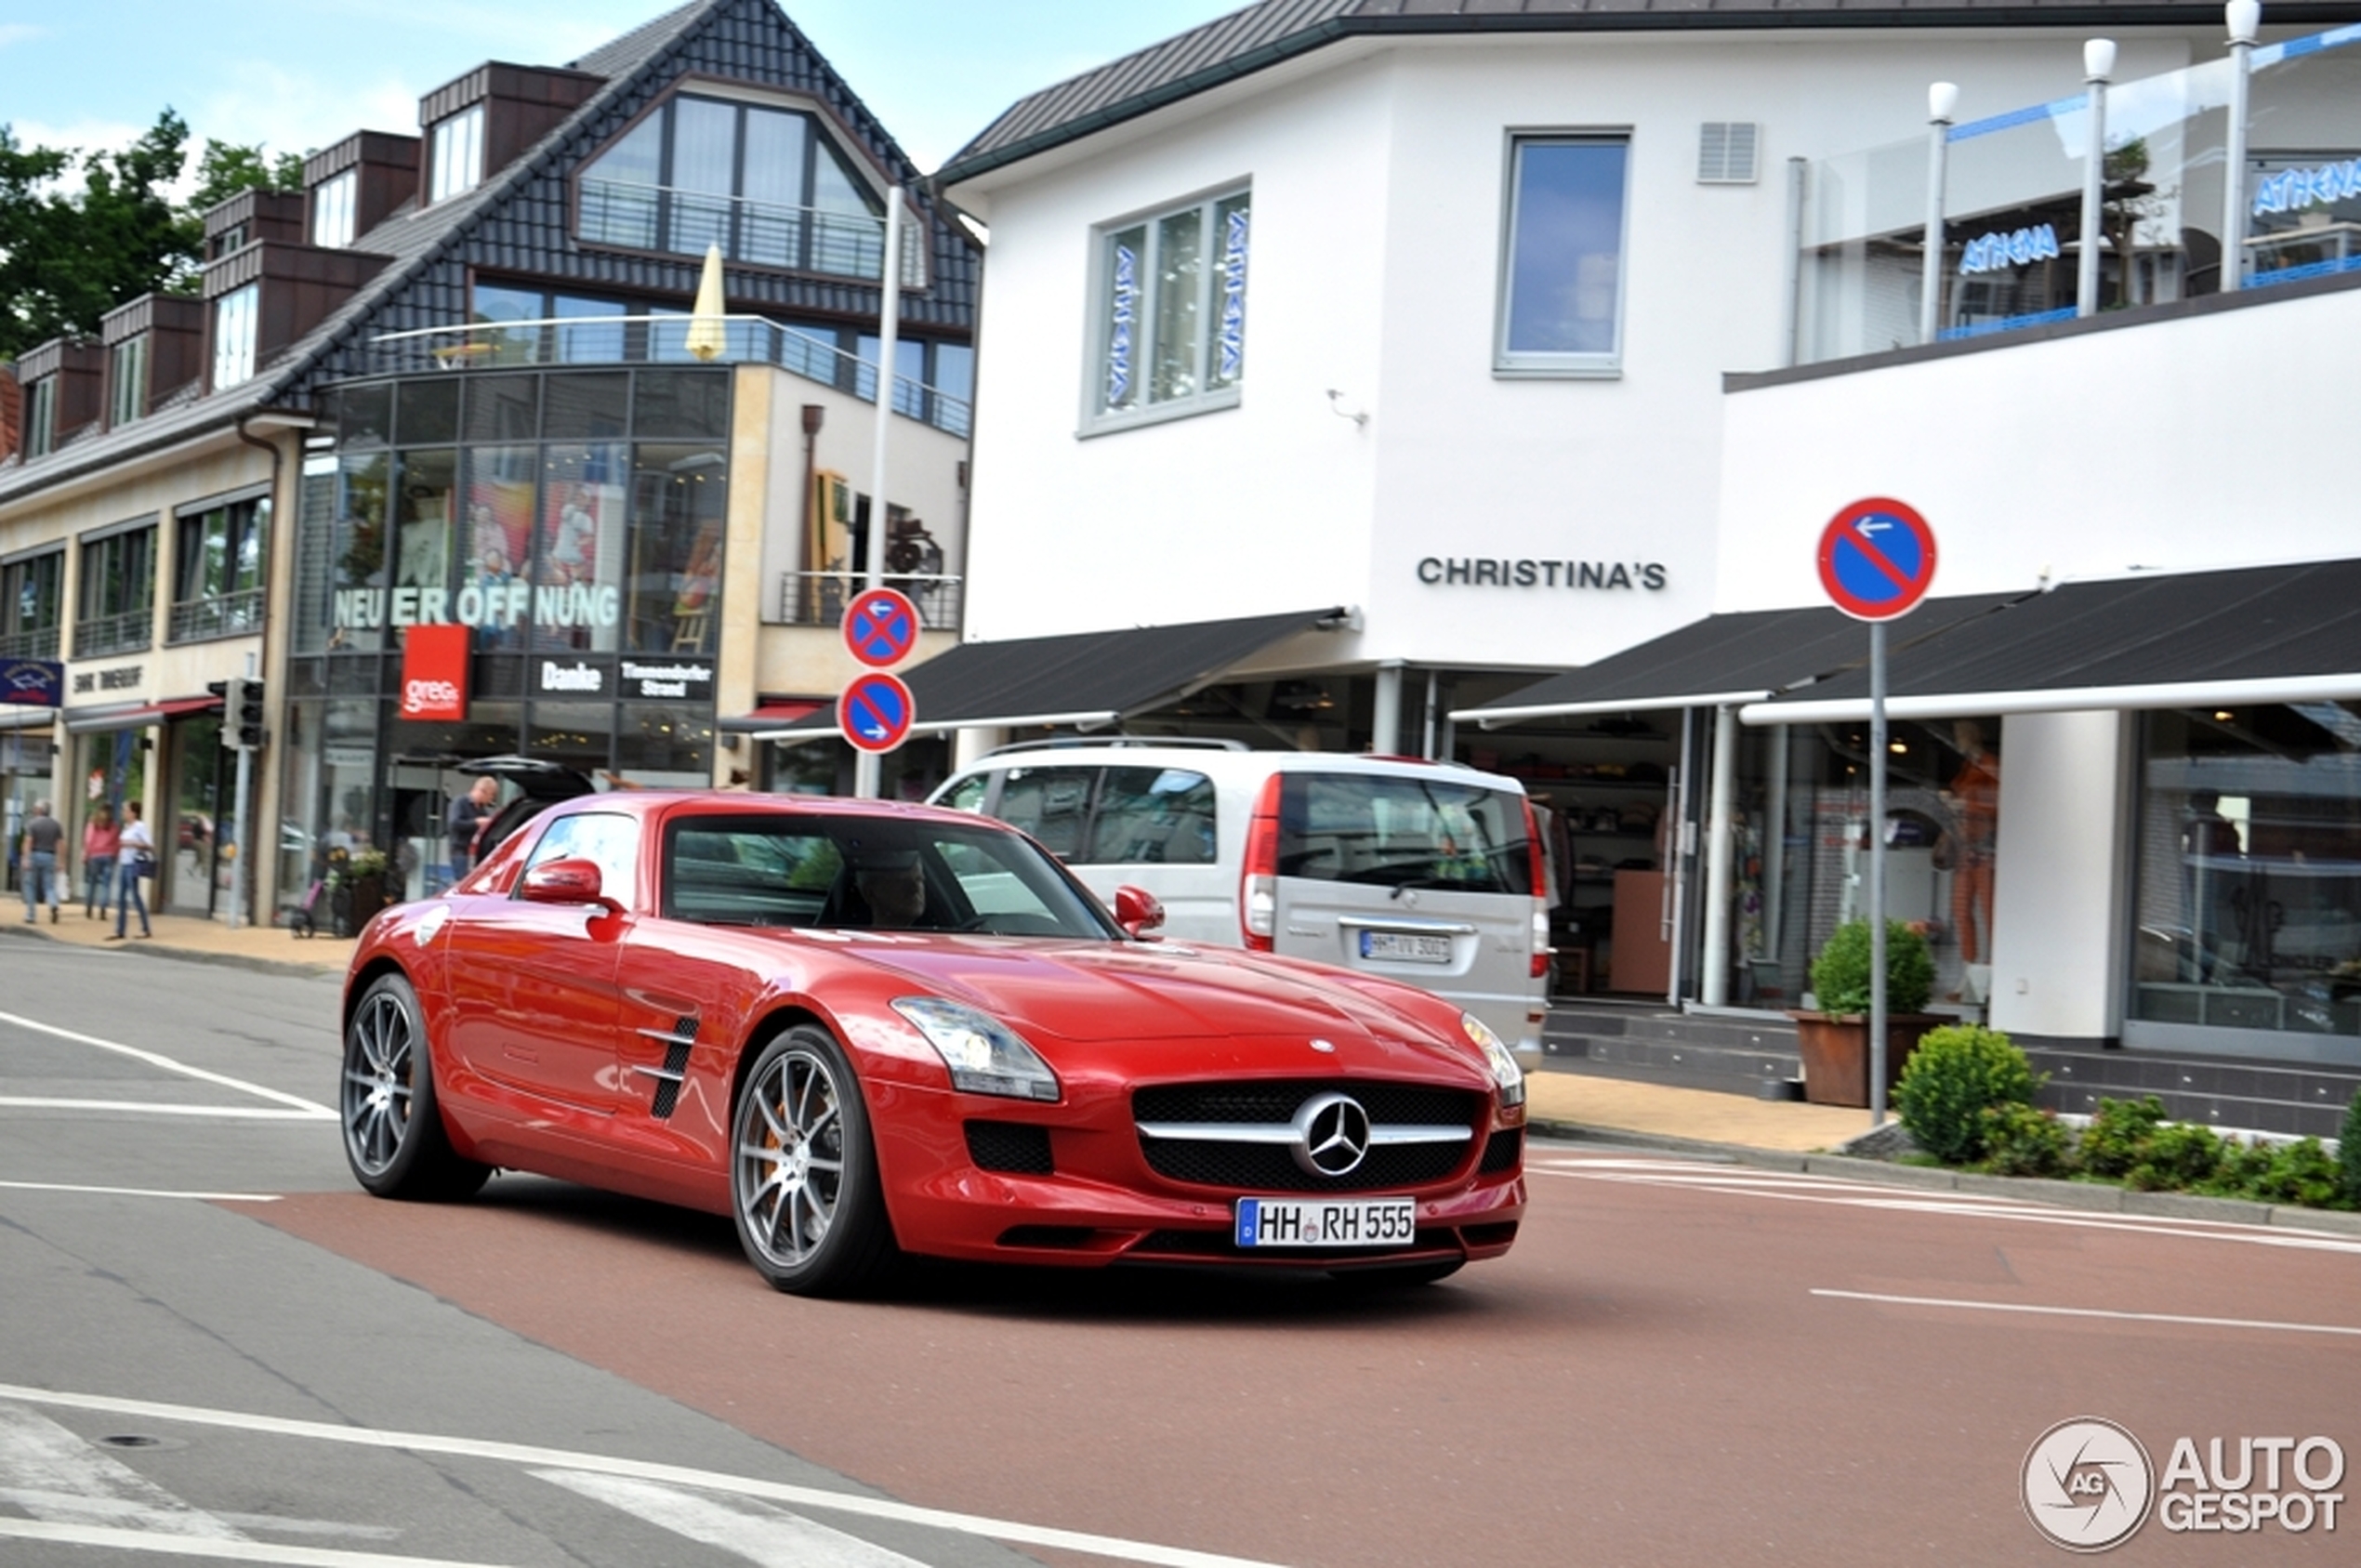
point(653, 803)
point(1228, 764)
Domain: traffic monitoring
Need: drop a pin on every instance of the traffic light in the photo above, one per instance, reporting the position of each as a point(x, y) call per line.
point(241, 713)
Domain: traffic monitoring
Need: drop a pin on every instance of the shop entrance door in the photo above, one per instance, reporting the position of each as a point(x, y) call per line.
point(188, 840)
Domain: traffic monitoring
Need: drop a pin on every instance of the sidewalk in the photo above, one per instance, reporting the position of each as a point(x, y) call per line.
point(273, 949)
point(1591, 1106)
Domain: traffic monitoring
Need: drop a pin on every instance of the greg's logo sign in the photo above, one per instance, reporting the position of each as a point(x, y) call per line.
point(434, 673)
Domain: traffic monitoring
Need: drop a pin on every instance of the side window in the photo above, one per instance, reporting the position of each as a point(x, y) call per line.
point(1153, 816)
point(1053, 804)
point(968, 793)
point(1561, 308)
point(611, 842)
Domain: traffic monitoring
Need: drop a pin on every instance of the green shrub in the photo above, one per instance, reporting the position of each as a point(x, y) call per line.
point(2021, 1140)
point(2301, 1172)
point(1840, 974)
point(2174, 1158)
point(2349, 1151)
point(1956, 1074)
point(2242, 1173)
point(2118, 1134)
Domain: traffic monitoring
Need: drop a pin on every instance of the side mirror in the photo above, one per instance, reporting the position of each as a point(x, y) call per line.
point(1137, 911)
point(568, 881)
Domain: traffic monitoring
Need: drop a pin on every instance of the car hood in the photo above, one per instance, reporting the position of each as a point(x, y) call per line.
point(1117, 990)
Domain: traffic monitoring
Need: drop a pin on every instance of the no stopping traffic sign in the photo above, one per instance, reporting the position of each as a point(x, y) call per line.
point(875, 712)
point(1876, 559)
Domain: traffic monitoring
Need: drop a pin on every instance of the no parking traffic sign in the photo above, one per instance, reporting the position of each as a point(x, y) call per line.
point(875, 711)
point(1876, 559)
point(880, 627)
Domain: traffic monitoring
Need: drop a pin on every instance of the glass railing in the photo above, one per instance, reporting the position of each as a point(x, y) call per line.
point(660, 339)
point(2013, 193)
point(760, 234)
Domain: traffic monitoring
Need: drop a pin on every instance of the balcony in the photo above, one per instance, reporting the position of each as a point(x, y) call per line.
point(658, 339)
point(665, 217)
point(130, 632)
point(40, 642)
point(200, 620)
point(817, 599)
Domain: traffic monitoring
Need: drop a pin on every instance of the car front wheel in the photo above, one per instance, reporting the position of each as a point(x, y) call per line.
point(803, 1171)
point(393, 1134)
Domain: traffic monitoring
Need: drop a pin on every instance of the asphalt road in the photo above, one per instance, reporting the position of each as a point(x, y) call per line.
point(213, 1345)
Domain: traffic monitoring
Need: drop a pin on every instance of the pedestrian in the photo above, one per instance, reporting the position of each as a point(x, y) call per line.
point(467, 814)
point(135, 858)
point(101, 841)
point(42, 837)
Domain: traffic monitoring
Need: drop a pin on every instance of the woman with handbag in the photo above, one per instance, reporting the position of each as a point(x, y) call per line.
point(100, 842)
point(137, 861)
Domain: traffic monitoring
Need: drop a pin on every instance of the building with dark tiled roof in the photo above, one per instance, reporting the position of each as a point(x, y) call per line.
point(449, 395)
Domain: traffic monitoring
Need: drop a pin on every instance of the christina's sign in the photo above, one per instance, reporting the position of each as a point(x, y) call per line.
point(1486, 571)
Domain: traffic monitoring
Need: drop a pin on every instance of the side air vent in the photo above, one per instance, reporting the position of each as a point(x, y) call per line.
point(1013, 1147)
point(1726, 152)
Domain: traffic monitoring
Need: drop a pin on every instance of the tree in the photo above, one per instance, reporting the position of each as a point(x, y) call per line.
point(225, 169)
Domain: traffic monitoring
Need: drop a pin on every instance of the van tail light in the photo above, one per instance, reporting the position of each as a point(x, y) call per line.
point(1259, 881)
point(1539, 866)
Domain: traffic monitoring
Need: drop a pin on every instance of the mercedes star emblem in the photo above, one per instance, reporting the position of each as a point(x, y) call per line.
point(1332, 1135)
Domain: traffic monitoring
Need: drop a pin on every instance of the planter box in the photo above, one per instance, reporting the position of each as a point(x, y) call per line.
point(1836, 1053)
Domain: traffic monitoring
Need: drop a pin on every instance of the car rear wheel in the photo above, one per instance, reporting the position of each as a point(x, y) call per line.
point(393, 1134)
point(803, 1174)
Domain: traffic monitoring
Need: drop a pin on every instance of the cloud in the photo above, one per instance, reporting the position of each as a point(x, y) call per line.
point(20, 32)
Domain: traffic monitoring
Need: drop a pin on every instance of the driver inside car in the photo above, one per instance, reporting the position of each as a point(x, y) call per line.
point(894, 886)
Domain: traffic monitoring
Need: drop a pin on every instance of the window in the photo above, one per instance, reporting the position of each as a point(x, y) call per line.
point(1403, 832)
point(335, 208)
point(118, 593)
point(458, 154)
point(611, 842)
point(234, 320)
point(219, 570)
point(766, 185)
point(1151, 816)
point(1171, 312)
point(30, 594)
point(127, 381)
point(1562, 270)
point(41, 417)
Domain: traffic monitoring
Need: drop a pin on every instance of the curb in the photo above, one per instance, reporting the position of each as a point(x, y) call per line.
point(2094, 1196)
point(192, 955)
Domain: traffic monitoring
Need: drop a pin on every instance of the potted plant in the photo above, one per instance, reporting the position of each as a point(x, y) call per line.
point(360, 890)
point(1834, 1039)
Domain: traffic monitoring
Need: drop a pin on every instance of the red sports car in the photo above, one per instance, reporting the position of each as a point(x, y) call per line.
point(864, 1029)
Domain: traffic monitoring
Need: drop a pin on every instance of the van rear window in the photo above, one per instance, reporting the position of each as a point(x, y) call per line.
point(1403, 832)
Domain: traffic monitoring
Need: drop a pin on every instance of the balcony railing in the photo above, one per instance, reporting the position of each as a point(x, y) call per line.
point(127, 633)
point(576, 340)
point(39, 643)
point(760, 233)
point(817, 599)
point(228, 615)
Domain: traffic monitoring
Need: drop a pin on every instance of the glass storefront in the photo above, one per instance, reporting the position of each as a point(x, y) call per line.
point(2249, 866)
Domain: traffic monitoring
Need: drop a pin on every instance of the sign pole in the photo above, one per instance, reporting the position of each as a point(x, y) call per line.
point(865, 770)
point(1877, 875)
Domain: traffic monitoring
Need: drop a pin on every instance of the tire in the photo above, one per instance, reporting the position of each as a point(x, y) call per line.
point(1408, 1277)
point(803, 1171)
point(393, 1133)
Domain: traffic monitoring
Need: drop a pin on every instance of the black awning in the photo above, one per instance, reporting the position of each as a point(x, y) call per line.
point(2266, 634)
point(1087, 679)
point(1723, 659)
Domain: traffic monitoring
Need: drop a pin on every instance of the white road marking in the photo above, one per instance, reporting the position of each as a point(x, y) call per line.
point(301, 1109)
point(140, 1193)
point(771, 1537)
point(56, 1477)
point(230, 1552)
point(2089, 1313)
point(1013, 1531)
point(1805, 1188)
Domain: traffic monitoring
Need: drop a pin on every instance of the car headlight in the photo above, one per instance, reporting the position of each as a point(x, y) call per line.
point(984, 1055)
point(1502, 1061)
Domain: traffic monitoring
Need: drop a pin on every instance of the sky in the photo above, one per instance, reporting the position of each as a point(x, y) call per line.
point(301, 75)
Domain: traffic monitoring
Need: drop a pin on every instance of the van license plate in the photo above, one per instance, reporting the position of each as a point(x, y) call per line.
point(1406, 947)
point(1353, 1222)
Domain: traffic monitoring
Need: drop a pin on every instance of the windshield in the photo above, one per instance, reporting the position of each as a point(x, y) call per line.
point(1403, 832)
point(870, 873)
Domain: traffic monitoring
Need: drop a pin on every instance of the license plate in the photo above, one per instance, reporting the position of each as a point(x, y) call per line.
point(1407, 947)
point(1326, 1222)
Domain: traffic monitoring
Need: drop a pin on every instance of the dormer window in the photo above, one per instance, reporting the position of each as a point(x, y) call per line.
point(41, 417)
point(234, 322)
point(457, 165)
point(335, 203)
point(230, 239)
point(127, 381)
point(766, 185)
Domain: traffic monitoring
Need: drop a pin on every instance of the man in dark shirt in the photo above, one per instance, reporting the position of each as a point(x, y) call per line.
point(42, 834)
point(467, 811)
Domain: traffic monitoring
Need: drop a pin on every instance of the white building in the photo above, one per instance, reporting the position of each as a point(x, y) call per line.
point(1393, 337)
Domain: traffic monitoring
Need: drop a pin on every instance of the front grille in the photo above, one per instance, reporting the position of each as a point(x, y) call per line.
point(1267, 1168)
point(1276, 1100)
point(1014, 1147)
point(1502, 1152)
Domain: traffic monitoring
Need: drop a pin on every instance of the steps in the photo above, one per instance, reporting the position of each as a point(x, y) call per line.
point(1656, 1046)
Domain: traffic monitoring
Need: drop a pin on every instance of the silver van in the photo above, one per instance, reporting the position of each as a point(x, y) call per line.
point(1422, 871)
